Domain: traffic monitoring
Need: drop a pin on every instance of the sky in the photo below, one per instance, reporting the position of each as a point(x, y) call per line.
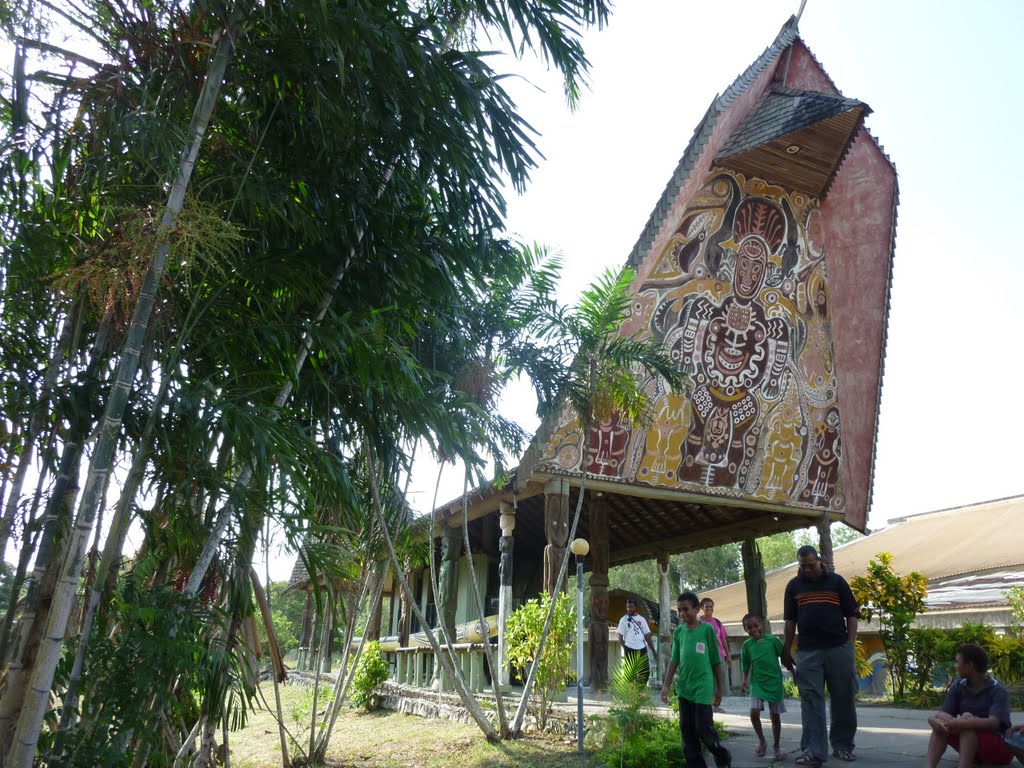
point(943, 80)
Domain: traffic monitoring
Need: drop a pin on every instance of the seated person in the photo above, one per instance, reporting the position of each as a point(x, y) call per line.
point(1015, 741)
point(974, 717)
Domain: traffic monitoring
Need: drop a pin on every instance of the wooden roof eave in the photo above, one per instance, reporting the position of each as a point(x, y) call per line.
point(671, 494)
point(823, 147)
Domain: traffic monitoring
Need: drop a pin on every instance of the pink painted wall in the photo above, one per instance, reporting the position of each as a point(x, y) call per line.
point(858, 217)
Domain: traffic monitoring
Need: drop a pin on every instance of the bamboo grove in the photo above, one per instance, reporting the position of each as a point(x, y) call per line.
point(251, 255)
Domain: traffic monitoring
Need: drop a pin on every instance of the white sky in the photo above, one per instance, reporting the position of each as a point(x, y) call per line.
point(943, 79)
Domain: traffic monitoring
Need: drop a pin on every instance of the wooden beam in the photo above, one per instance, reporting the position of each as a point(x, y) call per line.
point(752, 528)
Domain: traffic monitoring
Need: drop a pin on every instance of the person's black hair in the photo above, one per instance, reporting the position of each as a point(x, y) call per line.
point(630, 600)
point(806, 550)
point(688, 597)
point(707, 600)
point(974, 655)
point(757, 616)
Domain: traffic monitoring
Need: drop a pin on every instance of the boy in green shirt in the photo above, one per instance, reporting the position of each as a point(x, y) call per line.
point(699, 684)
point(762, 675)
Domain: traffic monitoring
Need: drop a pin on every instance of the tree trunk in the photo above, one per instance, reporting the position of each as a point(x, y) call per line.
point(22, 751)
point(482, 613)
point(345, 678)
point(468, 700)
point(278, 674)
point(39, 598)
point(36, 424)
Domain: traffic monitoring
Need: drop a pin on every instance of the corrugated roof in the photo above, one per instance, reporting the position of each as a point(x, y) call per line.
point(976, 539)
point(974, 590)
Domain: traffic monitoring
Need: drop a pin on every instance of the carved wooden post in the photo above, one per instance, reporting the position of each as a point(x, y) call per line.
point(824, 526)
point(405, 608)
point(598, 634)
point(373, 621)
point(556, 530)
point(306, 635)
point(753, 578)
point(448, 579)
point(505, 545)
point(665, 622)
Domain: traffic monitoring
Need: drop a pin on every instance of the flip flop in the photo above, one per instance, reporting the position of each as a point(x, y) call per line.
point(761, 749)
point(780, 755)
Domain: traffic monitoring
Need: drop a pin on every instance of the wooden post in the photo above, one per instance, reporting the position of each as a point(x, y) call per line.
point(665, 622)
point(824, 526)
point(405, 609)
point(373, 621)
point(306, 635)
point(753, 578)
point(505, 545)
point(598, 632)
point(556, 530)
point(448, 579)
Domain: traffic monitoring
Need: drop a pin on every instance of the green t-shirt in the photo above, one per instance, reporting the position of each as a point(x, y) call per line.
point(761, 657)
point(695, 653)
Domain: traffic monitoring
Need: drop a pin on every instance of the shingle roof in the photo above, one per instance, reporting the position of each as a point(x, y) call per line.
point(300, 576)
point(785, 110)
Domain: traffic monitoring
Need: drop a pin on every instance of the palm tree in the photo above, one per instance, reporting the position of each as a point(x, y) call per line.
point(379, 168)
point(601, 379)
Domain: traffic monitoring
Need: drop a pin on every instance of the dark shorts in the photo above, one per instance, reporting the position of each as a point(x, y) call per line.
point(992, 750)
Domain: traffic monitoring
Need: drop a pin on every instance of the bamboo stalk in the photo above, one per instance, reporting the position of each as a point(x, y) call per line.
point(22, 750)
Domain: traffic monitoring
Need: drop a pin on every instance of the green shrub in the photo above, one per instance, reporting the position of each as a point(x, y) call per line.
point(632, 735)
point(523, 639)
point(1006, 657)
point(895, 600)
point(790, 688)
point(633, 710)
point(931, 650)
point(1015, 597)
point(370, 673)
point(928, 698)
point(657, 746)
point(982, 634)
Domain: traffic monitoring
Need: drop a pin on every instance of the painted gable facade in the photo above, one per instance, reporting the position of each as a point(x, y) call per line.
point(772, 299)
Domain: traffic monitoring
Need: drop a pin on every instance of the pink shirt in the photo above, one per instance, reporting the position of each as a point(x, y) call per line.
point(723, 638)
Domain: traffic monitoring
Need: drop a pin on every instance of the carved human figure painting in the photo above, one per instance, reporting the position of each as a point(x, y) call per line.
point(739, 295)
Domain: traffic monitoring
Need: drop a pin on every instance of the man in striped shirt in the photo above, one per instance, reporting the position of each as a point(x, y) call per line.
point(821, 609)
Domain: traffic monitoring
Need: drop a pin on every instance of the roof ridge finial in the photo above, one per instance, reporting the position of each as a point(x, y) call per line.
point(800, 13)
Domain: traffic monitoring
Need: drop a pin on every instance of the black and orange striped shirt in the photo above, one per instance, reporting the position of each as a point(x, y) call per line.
point(820, 608)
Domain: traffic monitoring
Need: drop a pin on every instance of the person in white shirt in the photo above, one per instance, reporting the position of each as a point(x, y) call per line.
point(635, 638)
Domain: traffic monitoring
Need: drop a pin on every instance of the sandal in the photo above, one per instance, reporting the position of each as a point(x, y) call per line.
point(808, 759)
point(761, 749)
point(780, 755)
point(844, 754)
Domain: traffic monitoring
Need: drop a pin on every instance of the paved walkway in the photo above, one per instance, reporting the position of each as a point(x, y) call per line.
point(886, 736)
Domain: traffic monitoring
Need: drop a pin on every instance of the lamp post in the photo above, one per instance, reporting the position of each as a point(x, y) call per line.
point(580, 548)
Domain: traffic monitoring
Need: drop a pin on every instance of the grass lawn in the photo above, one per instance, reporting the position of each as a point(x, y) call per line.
point(391, 740)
